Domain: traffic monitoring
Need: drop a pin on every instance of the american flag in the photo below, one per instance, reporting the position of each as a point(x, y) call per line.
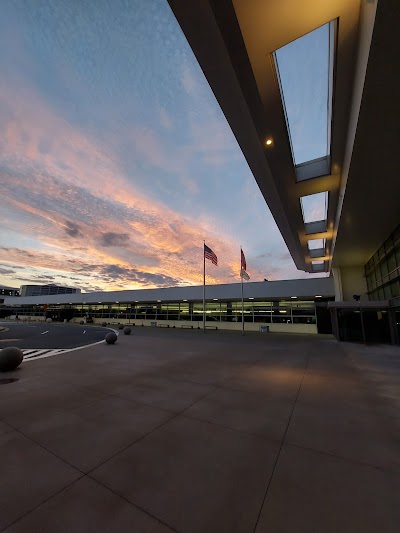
point(243, 273)
point(209, 254)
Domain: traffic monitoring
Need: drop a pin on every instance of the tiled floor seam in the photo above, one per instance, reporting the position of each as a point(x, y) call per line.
point(41, 503)
point(49, 451)
point(175, 415)
point(281, 445)
point(149, 433)
point(133, 504)
point(88, 473)
point(344, 459)
point(240, 431)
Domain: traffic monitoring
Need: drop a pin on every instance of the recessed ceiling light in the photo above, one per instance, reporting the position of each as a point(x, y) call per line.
point(136, 301)
point(184, 300)
point(318, 296)
point(215, 299)
point(268, 142)
point(158, 300)
point(294, 297)
point(251, 298)
point(117, 302)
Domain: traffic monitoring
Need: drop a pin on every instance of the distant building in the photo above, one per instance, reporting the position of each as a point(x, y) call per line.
point(8, 291)
point(46, 290)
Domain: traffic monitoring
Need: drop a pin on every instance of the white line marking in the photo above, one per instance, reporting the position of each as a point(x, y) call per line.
point(38, 352)
point(44, 332)
point(84, 332)
point(33, 354)
point(54, 351)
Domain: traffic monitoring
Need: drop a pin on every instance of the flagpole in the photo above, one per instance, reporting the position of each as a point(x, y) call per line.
point(204, 288)
point(241, 277)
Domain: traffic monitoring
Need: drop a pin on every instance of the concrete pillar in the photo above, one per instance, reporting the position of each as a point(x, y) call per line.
point(337, 283)
point(350, 280)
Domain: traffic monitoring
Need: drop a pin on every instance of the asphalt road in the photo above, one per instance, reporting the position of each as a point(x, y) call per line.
point(47, 336)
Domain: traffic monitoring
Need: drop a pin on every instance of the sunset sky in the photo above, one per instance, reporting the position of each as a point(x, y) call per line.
point(115, 159)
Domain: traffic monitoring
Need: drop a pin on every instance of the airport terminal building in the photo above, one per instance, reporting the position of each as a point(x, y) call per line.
point(297, 306)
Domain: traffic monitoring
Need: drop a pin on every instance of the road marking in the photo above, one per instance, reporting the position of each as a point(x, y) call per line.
point(29, 354)
point(84, 332)
point(34, 354)
point(44, 332)
point(26, 352)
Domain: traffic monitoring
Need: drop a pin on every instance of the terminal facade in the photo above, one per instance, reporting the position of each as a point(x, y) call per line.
point(294, 306)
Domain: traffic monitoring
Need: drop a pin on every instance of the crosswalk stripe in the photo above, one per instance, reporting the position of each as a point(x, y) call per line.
point(35, 353)
point(32, 354)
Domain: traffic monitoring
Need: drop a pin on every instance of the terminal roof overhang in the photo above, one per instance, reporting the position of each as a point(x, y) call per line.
point(303, 289)
point(233, 41)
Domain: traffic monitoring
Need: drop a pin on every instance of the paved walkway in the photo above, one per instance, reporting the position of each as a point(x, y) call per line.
point(173, 430)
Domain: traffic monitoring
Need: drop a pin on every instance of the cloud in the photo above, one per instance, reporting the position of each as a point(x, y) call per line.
point(72, 229)
point(6, 271)
point(114, 239)
point(87, 275)
point(81, 159)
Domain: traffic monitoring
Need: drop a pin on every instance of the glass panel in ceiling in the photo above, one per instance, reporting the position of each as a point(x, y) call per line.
point(314, 207)
point(316, 244)
point(305, 72)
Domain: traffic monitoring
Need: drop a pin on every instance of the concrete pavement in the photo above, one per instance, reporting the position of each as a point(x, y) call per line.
point(172, 430)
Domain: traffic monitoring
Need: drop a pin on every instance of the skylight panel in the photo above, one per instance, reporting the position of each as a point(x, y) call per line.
point(316, 244)
point(305, 73)
point(314, 207)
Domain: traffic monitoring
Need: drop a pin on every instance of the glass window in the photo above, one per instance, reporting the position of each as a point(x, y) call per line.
point(387, 291)
point(395, 288)
point(173, 311)
point(384, 269)
point(162, 311)
point(281, 308)
point(197, 311)
point(304, 320)
point(151, 311)
point(184, 311)
point(316, 244)
point(262, 311)
point(213, 311)
point(305, 72)
point(391, 260)
point(314, 207)
point(303, 308)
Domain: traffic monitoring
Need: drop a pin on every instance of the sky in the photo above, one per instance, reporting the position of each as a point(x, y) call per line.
point(116, 161)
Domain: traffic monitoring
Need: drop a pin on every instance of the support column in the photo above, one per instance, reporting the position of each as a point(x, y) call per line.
point(350, 280)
